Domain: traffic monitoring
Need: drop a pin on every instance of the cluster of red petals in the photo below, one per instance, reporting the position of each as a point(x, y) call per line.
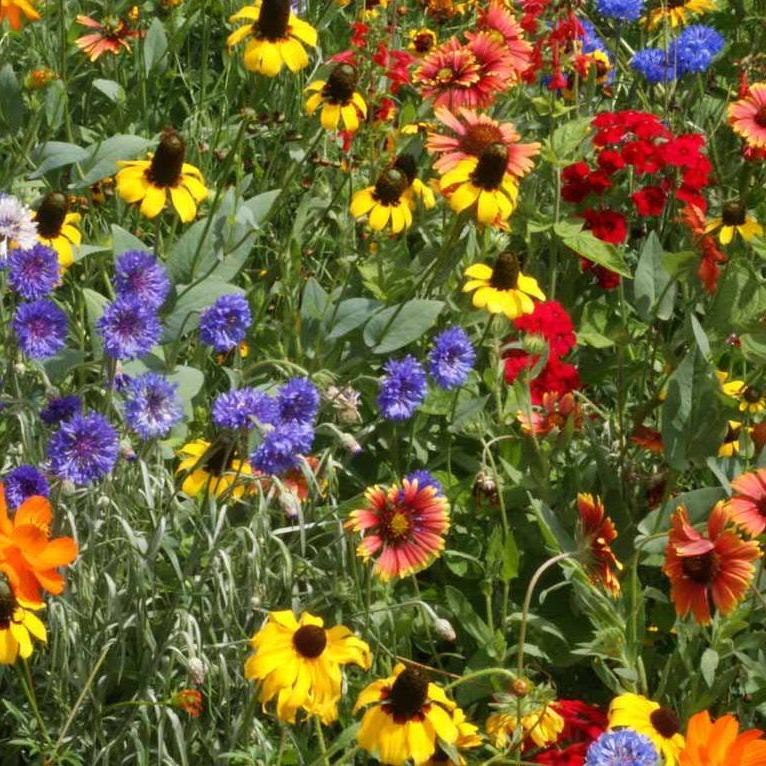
point(556, 413)
point(395, 64)
point(583, 724)
point(711, 256)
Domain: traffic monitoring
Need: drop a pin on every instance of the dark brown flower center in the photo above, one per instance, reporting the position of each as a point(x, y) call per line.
point(168, 160)
point(273, 19)
point(676, 3)
point(51, 214)
point(751, 395)
point(477, 138)
point(732, 433)
point(733, 213)
point(440, 756)
point(389, 186)
point(760, 117)
point(665, 721)
point(702, 568)
point(7, 604)
point(217, 459)
point(505, 272)
point(491, 167)
point(406, 163)
point(408, 694)
point(423, 42)
point(340, 85)
point(310, 641)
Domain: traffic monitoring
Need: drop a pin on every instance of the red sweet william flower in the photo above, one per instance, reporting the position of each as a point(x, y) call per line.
point(610, 161)
point(607, 225)
point(583, 724)
point(359, 32)
point(650, 200)
point(606, 278)
point(642, 155)
point(683, 151)
point(557, 376)
point(573, 755)
point(599, 181)
point(575, 186)
point(550, 320)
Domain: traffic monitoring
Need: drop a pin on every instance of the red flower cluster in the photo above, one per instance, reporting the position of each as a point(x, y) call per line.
point(550, 321)
point(711, 260)
point(583, 724)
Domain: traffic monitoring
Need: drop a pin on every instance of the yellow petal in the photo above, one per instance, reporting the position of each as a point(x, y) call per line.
point(486, 210)
point(362, 202)
point(313, 102)
point(184, 204)
point(294, 55)
point(350, 118)
point(726, 235)
point(463, 197)
point(379, 217)
point(238, 35)
point(303, 31)
point(529, 285)
point(154, 201)
point(329, 116)
point(479, 271)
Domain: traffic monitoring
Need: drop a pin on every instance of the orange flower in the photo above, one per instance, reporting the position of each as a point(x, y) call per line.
point(13, 10)
point(596, 533)
point(700, 568)
point(111, 36)
point(648, 438)
point(28, 557)
point(721, 744)
point(557, 413)
point(188, 700)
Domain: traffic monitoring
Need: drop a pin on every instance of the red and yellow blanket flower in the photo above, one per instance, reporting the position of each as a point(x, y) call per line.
point(747, 116)
point(112, 36)
point(596, 533)
point(747, 506)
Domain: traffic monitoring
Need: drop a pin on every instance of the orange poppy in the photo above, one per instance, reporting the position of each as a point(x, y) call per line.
point(721, 744)
point(28, 557)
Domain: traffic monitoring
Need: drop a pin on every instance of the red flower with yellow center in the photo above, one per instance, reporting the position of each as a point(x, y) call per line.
point(747, 508)
point(111, 37)
point(747, 116)
point(597, 532)
point(717, 567)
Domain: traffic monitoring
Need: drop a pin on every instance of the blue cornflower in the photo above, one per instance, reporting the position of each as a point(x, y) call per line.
point(61, 408)
point(591, 40)
point(40, 327)
point(656, 65)
point(426, 479)
point(33, 273)
point(452, 358)
point(138, 274)
point(23, 482)
point(695, 48)
point(280, 448)
point(84, 448)
point(298, 400)
point(242, 407)
point(152, 405)
point(623, 747)
point(402, 388)
point(225, 324)
point(622, 10)
point(129, 328)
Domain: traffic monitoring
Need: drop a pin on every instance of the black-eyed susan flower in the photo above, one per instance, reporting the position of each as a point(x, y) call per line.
point(408, 718)
point(541, 725)
point(214, 467)
point(730, 444)
point(750, 398)
point(18, 625)
point(149, 181)
point(484, 184)
point(299, 662)
point(660, 724)
point(339, 100)
point(57, 227)
point(391, 200)
point(277, 37)
point(734, 220)
point(502, 288)
point(422, 41)
point(677, 12)
point(468, 738)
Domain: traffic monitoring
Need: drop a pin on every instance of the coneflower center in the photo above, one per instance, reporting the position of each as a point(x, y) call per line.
point(733, 214)
point(310, 641)
point(732, 433)
point(760, 117)
point(168, 160)
point(7, 604)
point(51, 214)
point(274, 19)
point(702, 569)
point(665, 721)
point(423, 42)
point(751, 395)
point(389, 186)
point(676, 3)
point(479, 137)
point(339, 87)
point(406, 163)
point(408, 694)
point(218, 457)
point(505, 273)
point(491, 167)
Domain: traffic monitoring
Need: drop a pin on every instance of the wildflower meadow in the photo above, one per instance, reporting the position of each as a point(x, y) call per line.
point(382, 382)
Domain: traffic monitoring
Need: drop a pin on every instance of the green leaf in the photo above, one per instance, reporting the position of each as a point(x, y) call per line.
point(185, 315)
point(591, 248)
point(654, 291)
point(103, 156)
point(12, 107)
point(258, 207)
point(55, 104)
point(111, 89)
point(352, 313)
point(397, 326)
point(57, 154)
point(155, 45)
point(94, 307)
point(314, 301)
point(123, 240)
point(466, 618)
point(708, 665)
point(566, 140)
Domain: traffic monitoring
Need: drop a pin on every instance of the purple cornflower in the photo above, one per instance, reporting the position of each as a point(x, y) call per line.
point(225, 324)
point(140, 275)
point(242, 407)
point(84, 448)
point(298, 401)
point(40, 327)
point(60, 409)
point(23, 482)
point(452, 358)
point(152, 405)
point(33, 273)
point(129, 328)
point(402, 388)
point(280, 448)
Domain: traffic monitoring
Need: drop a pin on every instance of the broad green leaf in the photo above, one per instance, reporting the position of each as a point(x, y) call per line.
point(653, 289)
point(314, 300)
point(590, 247)
point(155, 45)
point(12, 107)
point(466, 618)
point(94, 307)
point(57, 154)
point(55, 104)
point(103, 156)
point(111, 89)
point(123, 240)
point(350, 314)
point(708, 665)
point(566, 140)
point(397, 326)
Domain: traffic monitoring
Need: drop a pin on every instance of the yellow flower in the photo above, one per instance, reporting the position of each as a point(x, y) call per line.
point(677, 12)
point(467, 738)
point(407, 719)
point(502, 288)
point(730, 444)
point(299, 662)
point(542, 726)
point(338, 99)
point(485, 184)
point(391, 200)
point(734, 219)
point(277, 35)
point(18, 625)
point(13, 10)
point(213, 467)
point(372, 8)
point(149, 181)
point(750, 398)
point(659, 724)
point(413, 128)
point(57, 227)
point(422, 41)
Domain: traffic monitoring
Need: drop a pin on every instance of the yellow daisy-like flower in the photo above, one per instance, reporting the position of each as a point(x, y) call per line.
point(730, 444)
point(372, 8)
point(13, 10)
point(18, 625)
point(299, 662)
point(733, 220)
point(468, 737)
point(541, 726)
point(277, 37)
point(149, 181)
point(415, 128)
point(660, 724)
point(214, 468)
point(677, 12)
point(422, 41)
point(57, 227)
point(502, 288)
point(392, 199)
point(484, 184)
point(407, 719)
point(750, 399)
point(338, 99)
